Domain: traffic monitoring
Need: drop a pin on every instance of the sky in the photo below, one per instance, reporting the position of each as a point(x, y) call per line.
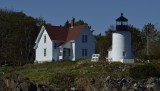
point(100, 14)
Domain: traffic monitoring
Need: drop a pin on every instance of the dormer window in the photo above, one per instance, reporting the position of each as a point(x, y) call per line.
point(44, 38)
point(84, 38)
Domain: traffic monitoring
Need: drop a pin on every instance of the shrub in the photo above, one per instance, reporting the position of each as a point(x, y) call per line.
point(63, 80)
point(143, 71)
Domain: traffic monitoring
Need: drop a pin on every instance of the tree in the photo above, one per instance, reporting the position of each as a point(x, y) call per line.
point(138, 42)
point(18, 34)
point(79, 22)
point(40, 21)
point(151, 41)
point(67, 24)
point(104, 42)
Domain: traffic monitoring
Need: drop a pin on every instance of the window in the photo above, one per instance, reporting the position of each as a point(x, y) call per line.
point(64, 52)
point(44, 38)
point(55, 45)
point(44, 51)
point(69, 52)
point(84, 38)
point(84, 52)
point(124, 53)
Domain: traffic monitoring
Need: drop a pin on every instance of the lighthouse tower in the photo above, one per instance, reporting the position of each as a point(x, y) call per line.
point(121, 42)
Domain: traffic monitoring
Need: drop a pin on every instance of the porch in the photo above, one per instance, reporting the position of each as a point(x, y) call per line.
point(67, 51)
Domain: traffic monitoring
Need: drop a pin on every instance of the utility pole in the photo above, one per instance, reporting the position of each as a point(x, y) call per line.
point(147, 41)
point(147, 33)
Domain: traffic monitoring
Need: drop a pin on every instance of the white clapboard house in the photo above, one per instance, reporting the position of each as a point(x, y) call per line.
point(60, 42)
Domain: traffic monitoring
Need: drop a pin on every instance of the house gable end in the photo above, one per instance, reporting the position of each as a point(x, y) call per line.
point(89, 32)
point(85, 49)
point(73, 33)
point(40, 34)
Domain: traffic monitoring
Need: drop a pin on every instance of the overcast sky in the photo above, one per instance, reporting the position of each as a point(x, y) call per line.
point(100, 14)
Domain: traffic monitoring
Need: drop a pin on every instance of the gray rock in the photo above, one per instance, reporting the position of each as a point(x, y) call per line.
point(108, 78)
point(124, 88)
point(42, 87)
point(152, 86)
point(92, 81)
point(2, 86)
point(151, 80)
point(26, 86)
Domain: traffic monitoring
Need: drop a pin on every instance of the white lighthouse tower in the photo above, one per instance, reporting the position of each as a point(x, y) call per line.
point(121, 43)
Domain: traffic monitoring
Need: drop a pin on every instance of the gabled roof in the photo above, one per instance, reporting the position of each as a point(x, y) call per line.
point(62, 33)
point(57, 32)
point(74, 32)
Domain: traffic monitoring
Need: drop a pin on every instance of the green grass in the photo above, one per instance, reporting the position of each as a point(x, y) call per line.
point(83, 68)
point(69, 73)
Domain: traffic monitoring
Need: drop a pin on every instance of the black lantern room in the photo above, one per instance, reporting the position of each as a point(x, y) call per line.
point(121, 23)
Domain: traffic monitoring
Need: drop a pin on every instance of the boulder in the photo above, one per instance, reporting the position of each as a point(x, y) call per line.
point(2, 86)
point(42, 87)
point(26, 86)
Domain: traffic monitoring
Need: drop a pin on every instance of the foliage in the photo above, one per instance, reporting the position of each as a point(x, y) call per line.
point(17, 36)
point(138, 42)
point(65, 74)
point(153, 36)
point(104, 42)
point(144, 71)
point(64, 80)
point(76, 23)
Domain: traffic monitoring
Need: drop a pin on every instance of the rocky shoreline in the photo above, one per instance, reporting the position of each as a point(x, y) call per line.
point(15, 82)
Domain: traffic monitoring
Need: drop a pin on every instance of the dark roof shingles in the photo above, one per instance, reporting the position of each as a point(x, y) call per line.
point(57, 32)
point(62, 33)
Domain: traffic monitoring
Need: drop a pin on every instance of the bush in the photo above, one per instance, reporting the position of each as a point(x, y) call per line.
point(63, 80)
point(143, 71)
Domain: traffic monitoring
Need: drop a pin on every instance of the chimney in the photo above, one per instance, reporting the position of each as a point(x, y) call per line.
point(72, 22)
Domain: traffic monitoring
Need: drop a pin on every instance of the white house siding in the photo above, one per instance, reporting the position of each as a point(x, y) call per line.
point(89, 45)
point(121, 42)
point(40, 49)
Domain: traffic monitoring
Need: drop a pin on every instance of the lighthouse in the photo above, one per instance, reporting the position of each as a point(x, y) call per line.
point(120, 50)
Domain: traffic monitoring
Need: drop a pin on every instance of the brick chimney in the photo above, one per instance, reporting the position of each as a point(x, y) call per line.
point(72, 22)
